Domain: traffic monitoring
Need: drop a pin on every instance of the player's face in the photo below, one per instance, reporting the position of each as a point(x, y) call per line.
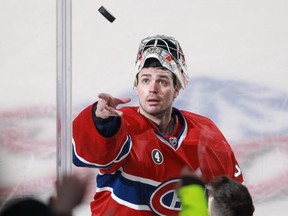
point(156, 91)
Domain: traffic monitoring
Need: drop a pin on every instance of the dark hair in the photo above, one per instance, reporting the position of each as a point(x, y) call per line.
point(231, 198)
point(25, 206)
point(151, 63)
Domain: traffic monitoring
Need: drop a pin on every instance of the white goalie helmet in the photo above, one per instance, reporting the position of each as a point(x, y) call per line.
point(168, 52)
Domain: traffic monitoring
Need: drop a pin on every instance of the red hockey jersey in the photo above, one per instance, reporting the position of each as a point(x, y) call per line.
point(139, 168)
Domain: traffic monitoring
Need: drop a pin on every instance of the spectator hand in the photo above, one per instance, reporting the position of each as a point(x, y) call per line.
point(70, 192)
point(188, 177)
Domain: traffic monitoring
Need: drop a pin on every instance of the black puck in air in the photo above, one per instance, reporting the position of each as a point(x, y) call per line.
point(106, 14)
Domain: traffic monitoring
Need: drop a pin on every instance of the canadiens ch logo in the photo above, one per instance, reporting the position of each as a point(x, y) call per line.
point(157, 156)
point(165, 200)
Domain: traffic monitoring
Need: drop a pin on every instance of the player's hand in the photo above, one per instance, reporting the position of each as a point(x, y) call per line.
point(107, 104)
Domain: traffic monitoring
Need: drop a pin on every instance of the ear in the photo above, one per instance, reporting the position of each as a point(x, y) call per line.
point(176, 92)
point(136, 90)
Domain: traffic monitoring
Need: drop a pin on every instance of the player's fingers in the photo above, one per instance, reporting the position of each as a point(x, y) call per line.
point(113, 101)
point(125, 100)
point(113, 112)
point(105, 96)
point(101, 105)
point(116, 101)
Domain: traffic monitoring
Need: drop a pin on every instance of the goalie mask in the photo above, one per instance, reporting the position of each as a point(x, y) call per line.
point(165, 52)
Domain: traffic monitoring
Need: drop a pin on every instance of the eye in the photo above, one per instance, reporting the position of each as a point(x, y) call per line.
point(145, 81)
point(163, 82)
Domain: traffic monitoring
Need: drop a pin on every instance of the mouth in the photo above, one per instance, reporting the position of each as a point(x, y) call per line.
point(153, 101)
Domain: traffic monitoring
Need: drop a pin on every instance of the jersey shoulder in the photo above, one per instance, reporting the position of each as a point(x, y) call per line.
point(130, 110)
point(196, 118)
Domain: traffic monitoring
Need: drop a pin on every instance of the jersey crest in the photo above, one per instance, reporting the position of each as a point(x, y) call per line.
point(165, 200)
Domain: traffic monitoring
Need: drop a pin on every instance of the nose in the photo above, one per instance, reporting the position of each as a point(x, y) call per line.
point(153, 87)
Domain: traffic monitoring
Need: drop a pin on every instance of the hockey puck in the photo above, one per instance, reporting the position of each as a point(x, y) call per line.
point(106, 14)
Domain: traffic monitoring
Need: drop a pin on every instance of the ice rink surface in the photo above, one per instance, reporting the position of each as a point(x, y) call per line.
point(237, 56)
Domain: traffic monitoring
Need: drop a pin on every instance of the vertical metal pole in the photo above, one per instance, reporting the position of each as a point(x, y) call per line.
point(64, 69)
